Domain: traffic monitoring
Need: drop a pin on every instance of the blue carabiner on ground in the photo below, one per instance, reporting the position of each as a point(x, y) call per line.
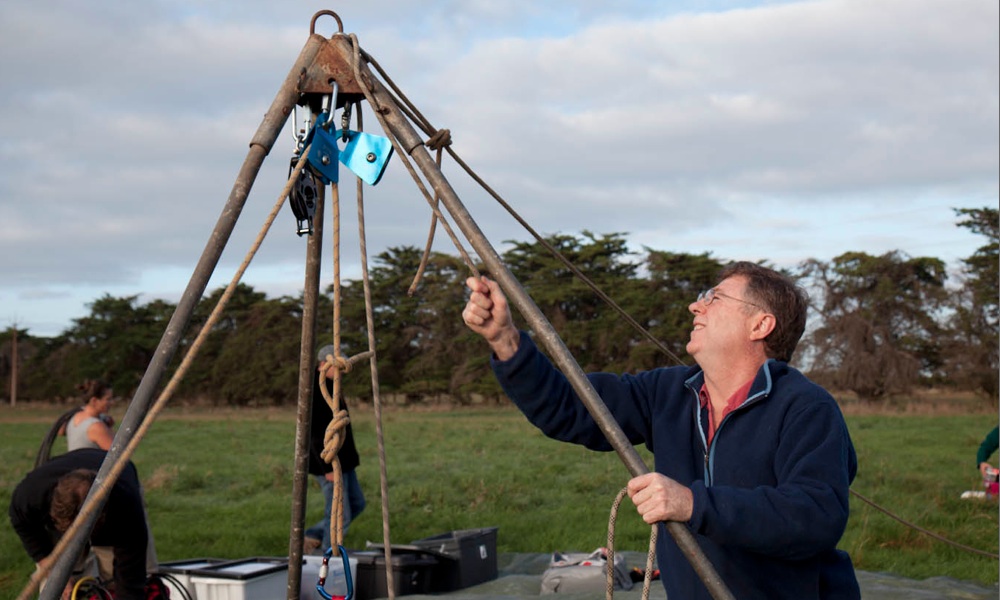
point(323, 570)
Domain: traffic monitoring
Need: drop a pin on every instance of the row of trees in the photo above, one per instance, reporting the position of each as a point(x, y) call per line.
point(881, 325)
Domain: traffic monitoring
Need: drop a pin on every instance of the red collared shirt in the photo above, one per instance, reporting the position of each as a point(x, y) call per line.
point(739, 397)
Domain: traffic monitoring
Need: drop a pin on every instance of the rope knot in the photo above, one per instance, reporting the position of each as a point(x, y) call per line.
point(440, 139)
point(339, 362)
point(333, 439)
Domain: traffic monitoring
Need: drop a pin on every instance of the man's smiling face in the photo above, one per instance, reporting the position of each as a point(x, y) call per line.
point(722, 320)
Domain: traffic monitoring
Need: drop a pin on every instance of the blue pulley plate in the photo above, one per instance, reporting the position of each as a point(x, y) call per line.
point(366, 155)
point(323, 155)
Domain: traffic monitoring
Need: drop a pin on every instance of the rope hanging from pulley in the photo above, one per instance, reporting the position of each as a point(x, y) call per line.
point(333, 437)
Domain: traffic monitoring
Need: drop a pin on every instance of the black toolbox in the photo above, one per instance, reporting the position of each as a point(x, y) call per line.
point(411, 573)
point(465, 557)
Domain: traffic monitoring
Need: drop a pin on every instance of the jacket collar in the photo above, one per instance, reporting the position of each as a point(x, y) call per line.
point(761, 387)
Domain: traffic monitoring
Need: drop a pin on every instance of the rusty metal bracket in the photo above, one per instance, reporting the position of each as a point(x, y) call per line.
point(327, 68)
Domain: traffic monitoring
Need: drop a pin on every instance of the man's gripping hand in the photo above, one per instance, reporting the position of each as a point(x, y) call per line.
point(488, 314)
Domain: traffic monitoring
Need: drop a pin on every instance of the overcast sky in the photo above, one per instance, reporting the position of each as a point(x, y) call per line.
point(751, 130)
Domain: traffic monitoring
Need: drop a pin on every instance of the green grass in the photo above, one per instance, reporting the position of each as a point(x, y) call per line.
point(917, 467)
point(218, 484)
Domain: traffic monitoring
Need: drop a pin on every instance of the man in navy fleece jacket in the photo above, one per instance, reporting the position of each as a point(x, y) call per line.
point(752, 456)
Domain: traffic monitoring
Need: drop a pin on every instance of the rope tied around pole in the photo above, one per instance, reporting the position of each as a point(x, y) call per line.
point(344, 365)
point(333, 439)
point(441, 139)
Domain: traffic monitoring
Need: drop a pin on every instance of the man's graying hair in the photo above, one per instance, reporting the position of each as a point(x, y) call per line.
point(779, 295)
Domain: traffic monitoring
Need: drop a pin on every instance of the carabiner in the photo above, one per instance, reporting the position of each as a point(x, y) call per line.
point(323, 570)
point(323, 152)
point(299, 134)
point(324, 120)
point(345, 122)
point(330, 102)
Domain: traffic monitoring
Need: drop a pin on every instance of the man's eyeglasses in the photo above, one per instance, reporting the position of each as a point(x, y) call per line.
point(709, 296)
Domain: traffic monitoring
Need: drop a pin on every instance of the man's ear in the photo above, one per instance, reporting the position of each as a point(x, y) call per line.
point(763, 325)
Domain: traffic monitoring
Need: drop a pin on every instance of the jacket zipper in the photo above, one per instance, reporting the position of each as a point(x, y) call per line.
point(704, 436)
point(708, 474)
point(708, 447)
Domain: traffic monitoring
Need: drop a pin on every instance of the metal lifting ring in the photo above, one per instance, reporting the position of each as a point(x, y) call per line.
point(312, 24)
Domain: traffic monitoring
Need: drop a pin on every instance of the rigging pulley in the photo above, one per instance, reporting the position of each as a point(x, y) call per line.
point(366, 155)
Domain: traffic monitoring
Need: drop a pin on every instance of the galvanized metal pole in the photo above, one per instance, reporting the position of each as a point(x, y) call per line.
point(260, 146)
point(546, 334)
point(303, 423)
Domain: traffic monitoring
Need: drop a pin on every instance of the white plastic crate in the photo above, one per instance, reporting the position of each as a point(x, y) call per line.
point(248, 579)
point(180, 570)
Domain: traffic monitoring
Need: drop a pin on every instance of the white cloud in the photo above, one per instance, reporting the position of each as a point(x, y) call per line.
point(782, 130)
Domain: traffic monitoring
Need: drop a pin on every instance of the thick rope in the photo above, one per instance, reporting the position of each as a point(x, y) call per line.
point(376, 394)
point(430, 239)
point(647, 577)
point(650, 556)
point(333, 439)
point(337, 508)
point(102, 491)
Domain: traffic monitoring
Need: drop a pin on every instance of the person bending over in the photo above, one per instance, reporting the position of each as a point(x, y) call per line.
point(47, 500)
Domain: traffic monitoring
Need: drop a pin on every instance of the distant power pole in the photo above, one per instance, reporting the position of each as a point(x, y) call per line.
point(13, 366)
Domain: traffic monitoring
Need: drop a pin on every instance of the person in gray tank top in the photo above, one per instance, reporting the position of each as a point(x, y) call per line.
point(91, 426)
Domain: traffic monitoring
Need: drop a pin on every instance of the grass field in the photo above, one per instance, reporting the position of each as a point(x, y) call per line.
point(218, 484)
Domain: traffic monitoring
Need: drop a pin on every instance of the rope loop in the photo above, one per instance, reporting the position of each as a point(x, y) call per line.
point(609, 591)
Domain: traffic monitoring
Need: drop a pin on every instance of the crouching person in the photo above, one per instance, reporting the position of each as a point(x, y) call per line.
point(47, 501)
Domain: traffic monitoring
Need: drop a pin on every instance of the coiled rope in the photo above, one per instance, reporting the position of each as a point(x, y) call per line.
point(647, 577)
